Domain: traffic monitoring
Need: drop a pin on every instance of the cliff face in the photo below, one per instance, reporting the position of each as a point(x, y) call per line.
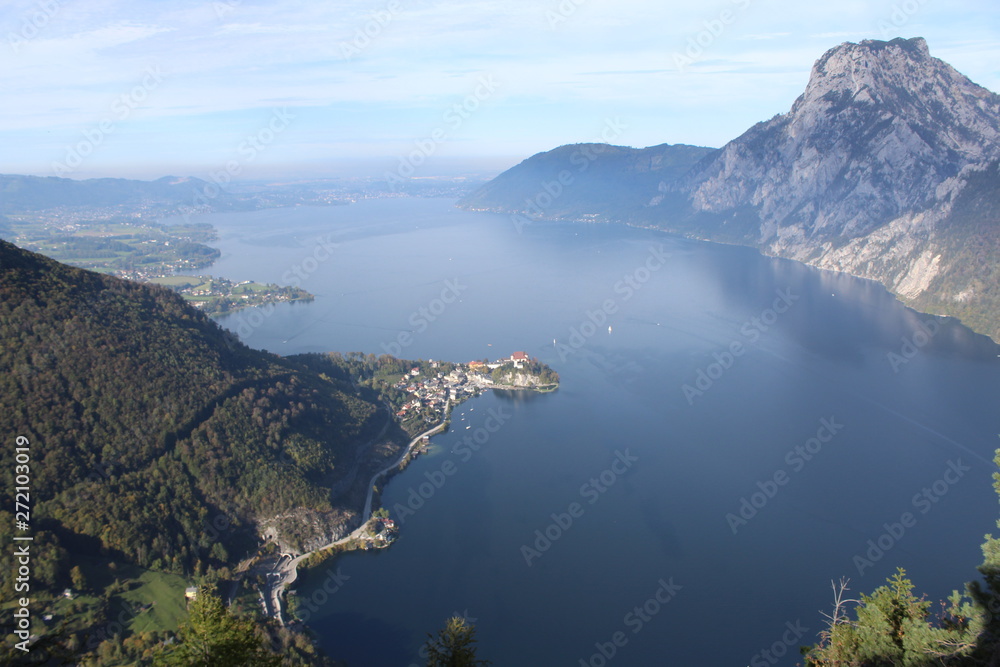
point(525, 380)
point(885, 168)
point(880, 128)
point(862, 174)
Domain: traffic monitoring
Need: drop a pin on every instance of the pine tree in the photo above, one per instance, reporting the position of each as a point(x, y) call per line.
point(454, 646)
point(987, 595)
point(894, 627)
point(213, 637)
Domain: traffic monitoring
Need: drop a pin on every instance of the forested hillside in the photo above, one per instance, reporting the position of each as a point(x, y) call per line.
point(150, 426)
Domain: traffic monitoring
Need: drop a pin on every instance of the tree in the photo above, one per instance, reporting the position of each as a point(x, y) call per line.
point(454, 646)
point(213, 637)
point(76, 576)
point(986, 594)
point(894, 627)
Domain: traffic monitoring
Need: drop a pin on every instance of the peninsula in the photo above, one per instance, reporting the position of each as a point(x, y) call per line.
point(422, 398)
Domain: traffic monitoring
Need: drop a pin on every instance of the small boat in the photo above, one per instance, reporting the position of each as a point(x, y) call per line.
point(609, 328)
point(467, 428)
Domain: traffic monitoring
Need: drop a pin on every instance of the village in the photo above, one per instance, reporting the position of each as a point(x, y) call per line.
point(435, 393)
point(429, 390)
point(219, 296)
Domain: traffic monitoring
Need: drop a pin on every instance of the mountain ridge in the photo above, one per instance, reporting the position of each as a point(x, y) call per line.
point(861, 175)
point(150, 424)
point(22, 193)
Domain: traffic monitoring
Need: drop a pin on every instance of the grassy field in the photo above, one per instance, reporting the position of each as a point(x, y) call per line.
point(165, 592)
point(178, 281)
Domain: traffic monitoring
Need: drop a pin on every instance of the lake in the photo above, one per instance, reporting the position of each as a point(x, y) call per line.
point(732, 433)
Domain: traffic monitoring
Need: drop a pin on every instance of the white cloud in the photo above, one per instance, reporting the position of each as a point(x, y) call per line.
point(605, 57)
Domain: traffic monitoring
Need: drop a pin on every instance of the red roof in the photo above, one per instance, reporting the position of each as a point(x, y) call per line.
point(519, 356)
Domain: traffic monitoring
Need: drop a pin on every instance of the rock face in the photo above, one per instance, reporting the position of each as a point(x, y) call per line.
point(879, 128)
point(861, 173)
point(525, 380)
point(885, 168)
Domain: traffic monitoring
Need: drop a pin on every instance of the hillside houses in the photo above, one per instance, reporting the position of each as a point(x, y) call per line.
point(431, 392)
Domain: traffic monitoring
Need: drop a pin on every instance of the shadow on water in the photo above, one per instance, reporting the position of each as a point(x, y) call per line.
point(522, 397)
point(352, 637)
point(661, 528)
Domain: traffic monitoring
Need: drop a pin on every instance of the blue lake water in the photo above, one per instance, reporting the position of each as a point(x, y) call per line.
point(836, 413)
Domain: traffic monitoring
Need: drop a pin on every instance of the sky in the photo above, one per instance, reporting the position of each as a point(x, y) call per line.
point(248, 89)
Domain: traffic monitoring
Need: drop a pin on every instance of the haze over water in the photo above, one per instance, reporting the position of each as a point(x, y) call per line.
point(737, 588)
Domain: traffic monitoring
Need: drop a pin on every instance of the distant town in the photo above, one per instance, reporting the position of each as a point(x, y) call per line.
point(155, 240)
point(218, 296)
point(437, 387)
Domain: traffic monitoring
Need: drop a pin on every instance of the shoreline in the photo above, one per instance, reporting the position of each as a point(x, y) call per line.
point(289, 570)
point(690, 236)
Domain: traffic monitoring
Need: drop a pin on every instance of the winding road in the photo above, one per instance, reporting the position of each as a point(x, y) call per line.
point(285, 571)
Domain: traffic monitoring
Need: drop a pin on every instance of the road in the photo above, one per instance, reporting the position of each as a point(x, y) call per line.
point(285, 570)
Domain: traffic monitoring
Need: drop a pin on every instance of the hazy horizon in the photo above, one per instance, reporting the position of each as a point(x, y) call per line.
point(277, 89)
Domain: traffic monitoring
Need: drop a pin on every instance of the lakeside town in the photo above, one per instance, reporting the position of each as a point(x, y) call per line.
point(428, 392)
point(219, 296)
point(439, 386)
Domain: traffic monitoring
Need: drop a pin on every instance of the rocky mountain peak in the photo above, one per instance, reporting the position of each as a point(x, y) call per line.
point(869, 68)
point(900, 78)
point(885, 167)
point(879, 128)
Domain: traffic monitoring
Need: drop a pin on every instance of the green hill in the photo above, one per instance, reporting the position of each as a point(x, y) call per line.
point(157, 438)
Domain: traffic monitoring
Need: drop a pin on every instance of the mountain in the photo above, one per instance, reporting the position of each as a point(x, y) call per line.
point(33, 193)
point(885, 168)
point(586, 181)
point(156, 438)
